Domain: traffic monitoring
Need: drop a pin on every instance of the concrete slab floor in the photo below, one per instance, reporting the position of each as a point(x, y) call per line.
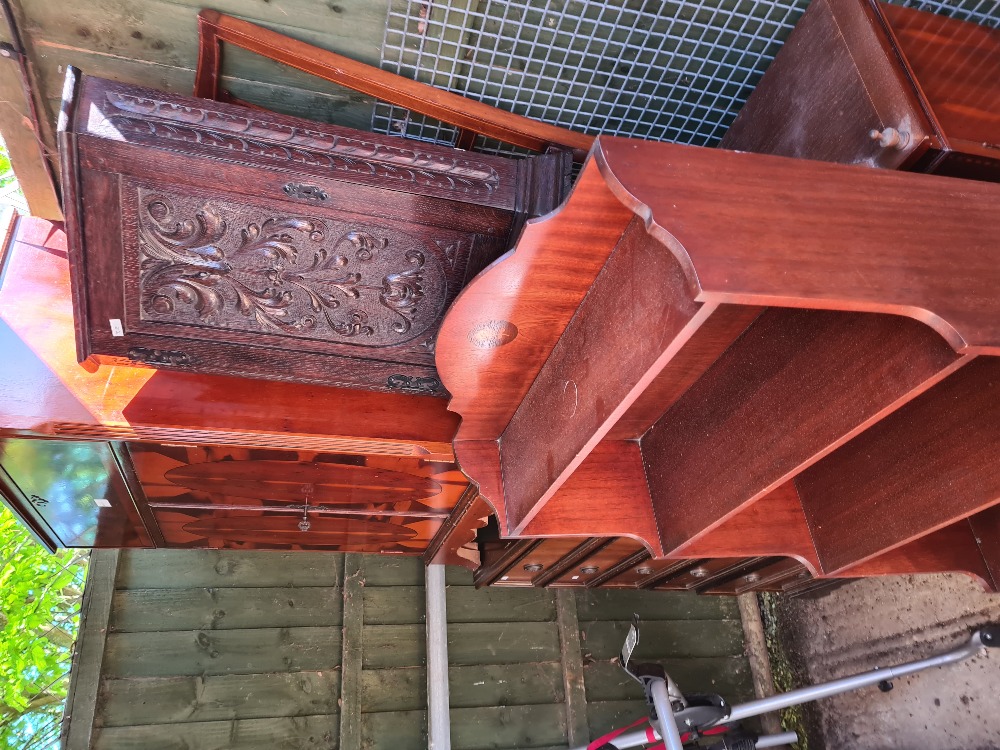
point(882, 621)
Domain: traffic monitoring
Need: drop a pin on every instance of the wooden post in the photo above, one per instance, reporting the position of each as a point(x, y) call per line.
point(572, 661)
point(760, 663)
point(438, 711)
point(26, 128)
point(88, 657)
point(350, 664)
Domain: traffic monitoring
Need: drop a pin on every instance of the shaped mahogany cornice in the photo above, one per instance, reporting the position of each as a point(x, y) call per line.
point(656, 356)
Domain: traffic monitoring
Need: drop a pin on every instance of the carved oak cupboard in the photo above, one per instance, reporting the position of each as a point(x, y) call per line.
point(214, 238)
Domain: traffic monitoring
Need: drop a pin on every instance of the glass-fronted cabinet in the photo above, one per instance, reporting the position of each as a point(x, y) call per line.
point(71, 493)
point(115, 494)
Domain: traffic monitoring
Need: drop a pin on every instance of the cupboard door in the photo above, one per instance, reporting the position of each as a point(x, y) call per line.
point(213, 282)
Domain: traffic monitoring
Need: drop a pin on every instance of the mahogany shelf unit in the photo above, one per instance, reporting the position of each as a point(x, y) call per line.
point(740, 357)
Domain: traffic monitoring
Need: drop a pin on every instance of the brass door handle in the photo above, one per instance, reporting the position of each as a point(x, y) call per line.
point(306, 192)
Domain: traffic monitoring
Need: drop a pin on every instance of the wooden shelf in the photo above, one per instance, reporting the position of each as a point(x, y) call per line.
point(745, 357)
point(797, 384)
point(947, 550)
point(919, 470)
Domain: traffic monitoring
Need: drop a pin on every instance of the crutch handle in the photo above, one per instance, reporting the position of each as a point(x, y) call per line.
point(989, 635)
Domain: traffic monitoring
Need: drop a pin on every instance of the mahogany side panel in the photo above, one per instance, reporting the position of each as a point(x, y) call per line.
point(764, 230)
point(774, 525)
point(986, 527)
point(581, 506)
point(794, 387)
point(706, 345)
point(485, 359)
point(924, 467)
point(832, 82)
point(46, 392)
point(480, 460)
point(956, 65)
point(610, 351)
point(952, 549)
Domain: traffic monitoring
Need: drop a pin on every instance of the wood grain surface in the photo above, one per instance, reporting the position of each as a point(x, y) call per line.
point(826, 318)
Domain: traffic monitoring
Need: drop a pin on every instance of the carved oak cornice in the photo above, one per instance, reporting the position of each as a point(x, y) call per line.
point(249, 135)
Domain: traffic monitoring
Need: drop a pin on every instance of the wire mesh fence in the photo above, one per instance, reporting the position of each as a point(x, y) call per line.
point(673, 70)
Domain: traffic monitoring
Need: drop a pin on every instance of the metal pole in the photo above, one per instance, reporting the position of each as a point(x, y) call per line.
point(777, 740)
point(438, 713)
point(846, 684)
point(665, 716)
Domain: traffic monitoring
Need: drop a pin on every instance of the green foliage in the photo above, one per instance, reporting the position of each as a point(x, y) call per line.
point(6, 171)
point(39, 611)
point(786, 675)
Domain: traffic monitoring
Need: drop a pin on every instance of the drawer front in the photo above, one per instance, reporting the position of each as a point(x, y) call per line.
point(835, 92)
point(141, 117)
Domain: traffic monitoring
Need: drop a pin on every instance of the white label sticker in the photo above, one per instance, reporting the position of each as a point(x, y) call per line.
point(100, 502)
point(116, 327)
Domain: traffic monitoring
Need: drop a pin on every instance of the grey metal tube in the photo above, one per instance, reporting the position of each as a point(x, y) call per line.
point(777, 740)
point(438, 714)
point(665, 716)
point(638, 738)
point(846, 684)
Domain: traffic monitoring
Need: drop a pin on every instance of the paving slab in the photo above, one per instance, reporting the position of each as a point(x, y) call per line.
point(881, 621)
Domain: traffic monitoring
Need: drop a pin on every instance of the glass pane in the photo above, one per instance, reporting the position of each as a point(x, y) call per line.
point(74, 486)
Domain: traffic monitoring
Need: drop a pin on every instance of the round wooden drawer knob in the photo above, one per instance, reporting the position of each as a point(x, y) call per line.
point(890, 138)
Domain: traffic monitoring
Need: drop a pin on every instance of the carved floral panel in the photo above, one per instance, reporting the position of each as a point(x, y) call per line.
point(221, 264)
